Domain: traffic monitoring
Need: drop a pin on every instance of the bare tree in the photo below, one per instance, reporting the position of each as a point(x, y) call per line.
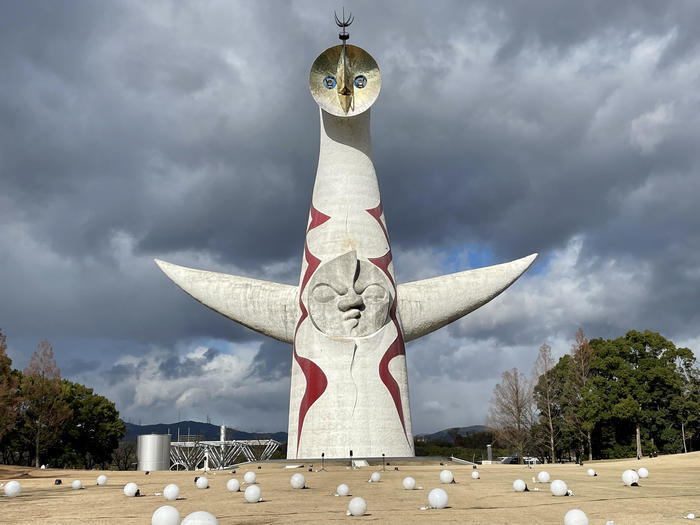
point(583, 421)
point(545, 393)
point(43, 407)
point(511, 411)
point(9, 395)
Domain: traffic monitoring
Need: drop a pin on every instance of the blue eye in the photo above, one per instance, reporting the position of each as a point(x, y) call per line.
point(329, 82)
point(360, 81)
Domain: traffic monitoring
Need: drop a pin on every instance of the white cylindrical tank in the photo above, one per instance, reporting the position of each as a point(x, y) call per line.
point(153, 452)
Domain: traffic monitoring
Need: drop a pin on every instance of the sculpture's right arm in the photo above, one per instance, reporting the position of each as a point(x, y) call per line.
point(263, 306)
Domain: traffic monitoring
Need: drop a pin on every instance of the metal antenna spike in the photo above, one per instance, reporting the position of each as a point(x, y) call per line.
point(343, 23)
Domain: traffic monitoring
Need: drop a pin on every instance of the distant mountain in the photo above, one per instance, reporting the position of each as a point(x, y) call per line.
point(209, 431)
point(449, 433)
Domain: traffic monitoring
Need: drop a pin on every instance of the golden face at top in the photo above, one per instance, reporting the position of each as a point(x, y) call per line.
point(345, 80)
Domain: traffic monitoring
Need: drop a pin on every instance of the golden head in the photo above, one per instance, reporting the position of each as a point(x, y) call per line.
point(345, 80)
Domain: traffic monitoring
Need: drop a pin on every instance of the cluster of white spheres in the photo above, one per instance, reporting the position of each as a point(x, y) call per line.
point(558, 488)
point(543, 476)
point(166, 515)
point(437, 499)
point(200, 517)
point(475, 474)
point(375, 477)
point(409, 483)
point(202, 482)
point(233, 485)
point(252, 494)
point(643, 473)
point(575, 517)
point(297, 481)
point(13, 489)
point(249, 477)
point(629, 477)
point(130, 489)
point(357, 506)
point(101, 479)
point(591, 472)
point(77, 484)
point(171, 492)
point(342, 490)
point(446, 476)
point(519, 485)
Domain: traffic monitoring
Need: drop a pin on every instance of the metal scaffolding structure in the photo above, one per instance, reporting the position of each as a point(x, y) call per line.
point(217, 455)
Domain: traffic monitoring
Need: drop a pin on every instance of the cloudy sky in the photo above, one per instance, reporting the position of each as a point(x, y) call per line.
point(185, 131)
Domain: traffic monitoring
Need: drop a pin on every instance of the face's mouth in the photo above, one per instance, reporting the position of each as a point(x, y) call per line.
point(352, 315)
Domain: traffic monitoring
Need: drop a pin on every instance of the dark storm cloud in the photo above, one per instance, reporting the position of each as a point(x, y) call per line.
point(133, 131)
point(174, 366)
point(272, 361)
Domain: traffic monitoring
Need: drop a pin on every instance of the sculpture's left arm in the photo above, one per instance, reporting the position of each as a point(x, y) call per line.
point(425, 306)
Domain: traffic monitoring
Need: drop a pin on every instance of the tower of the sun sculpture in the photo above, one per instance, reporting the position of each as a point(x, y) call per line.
point(348, 319)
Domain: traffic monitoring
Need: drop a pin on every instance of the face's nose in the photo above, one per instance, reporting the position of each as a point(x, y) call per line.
point(345, 87)
point(351, 300)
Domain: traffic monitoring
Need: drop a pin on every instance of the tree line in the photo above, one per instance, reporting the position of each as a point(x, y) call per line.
point(48, 420)
point(607, 398)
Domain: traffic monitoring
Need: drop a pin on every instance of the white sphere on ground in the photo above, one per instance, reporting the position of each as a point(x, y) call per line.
point(543, 476)
point(130, 489)
point(249, 477)
point(166, 515)
point(691, 516)
point(202, 482)
point(437, 499)
point(342, 490)
point(101, 479)
point(558, 488)
point(357, 506)
point(233, 485)
point(297, 481)
point(519, 485)
point(375, 477)
point(575, 517)
point(629, 476)
point(446, 476)
point(77, 484)
point(409, 483)
point(252, 494)
point(643, 473)
point(200, 517)
point(13, 489)
point(171, 492)
point(591, 472)
point(475, 474)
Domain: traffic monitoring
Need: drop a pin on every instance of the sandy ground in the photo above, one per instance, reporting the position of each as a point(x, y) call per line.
point(671, 491)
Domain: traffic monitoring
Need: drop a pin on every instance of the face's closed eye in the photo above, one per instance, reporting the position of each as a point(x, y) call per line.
point(324, 293)
point(374, 294)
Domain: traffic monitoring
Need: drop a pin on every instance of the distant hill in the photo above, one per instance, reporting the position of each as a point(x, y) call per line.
point(209, 431)
point(449, 433)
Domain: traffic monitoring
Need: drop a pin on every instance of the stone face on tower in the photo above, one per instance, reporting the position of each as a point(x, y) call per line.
point(347, 319)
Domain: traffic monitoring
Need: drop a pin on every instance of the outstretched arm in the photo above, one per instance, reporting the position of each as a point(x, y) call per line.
point(266, 307)
point(425, 306)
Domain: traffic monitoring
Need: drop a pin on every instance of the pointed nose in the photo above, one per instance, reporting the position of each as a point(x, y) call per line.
point(345, 87)
point(352, 300)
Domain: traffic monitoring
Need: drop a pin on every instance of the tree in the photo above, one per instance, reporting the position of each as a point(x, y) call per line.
point(686, 404)
point(92, 432)
point(511, 411)
point(43, 408)
point(581, 407)
point(9, 394)
point(545, 394)
point(636, 376)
